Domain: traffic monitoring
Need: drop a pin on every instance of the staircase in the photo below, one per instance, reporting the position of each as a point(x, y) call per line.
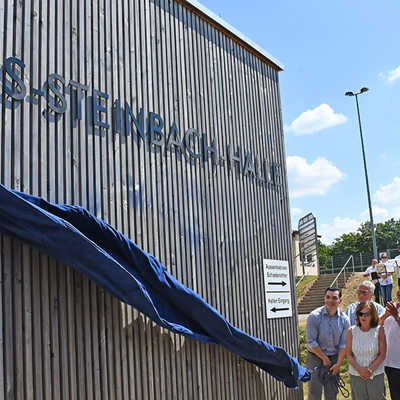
point(315, 296)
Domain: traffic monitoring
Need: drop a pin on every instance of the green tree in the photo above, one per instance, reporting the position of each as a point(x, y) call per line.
point(387, 236)
point(348, 243)
point(324, 255)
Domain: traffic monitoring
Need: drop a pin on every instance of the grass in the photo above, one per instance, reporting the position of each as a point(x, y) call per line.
point(349, 296)
point(304, 285)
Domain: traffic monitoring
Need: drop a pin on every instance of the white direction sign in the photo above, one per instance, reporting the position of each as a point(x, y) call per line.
point(277, 288)
point(276, 276)
point(279, 305)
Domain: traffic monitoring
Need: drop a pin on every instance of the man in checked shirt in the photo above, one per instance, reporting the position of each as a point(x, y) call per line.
point(326, 343)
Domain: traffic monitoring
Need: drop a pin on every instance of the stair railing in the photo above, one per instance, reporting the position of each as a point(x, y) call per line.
point(297, 283)
point(342, 270)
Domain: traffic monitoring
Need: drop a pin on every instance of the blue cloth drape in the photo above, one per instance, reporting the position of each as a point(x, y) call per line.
point(76, 237)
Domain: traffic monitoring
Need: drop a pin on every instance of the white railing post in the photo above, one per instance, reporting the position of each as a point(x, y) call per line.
point(342, 270)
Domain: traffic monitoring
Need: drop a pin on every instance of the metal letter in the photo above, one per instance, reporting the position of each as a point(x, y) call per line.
point(210, 149)
point(58, 104)
point(98, 108)
point(156, 128)
point(174, 139)
point(116, 113)
point(188, 134)
point(248, 165)
point(275, 169)
point(139, 126)
point(232, 158)
point(15, 94)
point(268, 173)
point(259, 171)
point(78, 89)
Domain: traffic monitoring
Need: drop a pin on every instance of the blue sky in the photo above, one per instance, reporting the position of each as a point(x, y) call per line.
point(328, 48)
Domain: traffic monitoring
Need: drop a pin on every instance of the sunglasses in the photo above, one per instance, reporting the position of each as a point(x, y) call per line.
point(363, 314)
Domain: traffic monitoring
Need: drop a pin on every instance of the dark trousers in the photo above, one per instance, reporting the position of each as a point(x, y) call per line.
point(377, 292)
point(393, 375)
point(316, 385)
point(386, 291)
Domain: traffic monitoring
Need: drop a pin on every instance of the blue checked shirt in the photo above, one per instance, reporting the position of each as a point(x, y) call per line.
point(351, 311)
point(327, 332)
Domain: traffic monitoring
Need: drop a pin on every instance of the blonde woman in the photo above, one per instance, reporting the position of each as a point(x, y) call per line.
point(366, 351)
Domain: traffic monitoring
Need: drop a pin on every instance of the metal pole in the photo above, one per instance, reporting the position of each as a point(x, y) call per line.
point(366, 181)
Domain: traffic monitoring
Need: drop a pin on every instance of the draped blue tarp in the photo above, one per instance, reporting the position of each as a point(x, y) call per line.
point(76, 237)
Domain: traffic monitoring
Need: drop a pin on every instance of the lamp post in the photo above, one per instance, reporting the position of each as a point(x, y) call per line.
point(363, 90)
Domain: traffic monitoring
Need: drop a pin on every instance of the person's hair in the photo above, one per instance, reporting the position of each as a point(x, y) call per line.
point(367, 284)
point(372, 311)
point(334, 289)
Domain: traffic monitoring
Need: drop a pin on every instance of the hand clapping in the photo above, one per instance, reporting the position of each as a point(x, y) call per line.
point(391, 309)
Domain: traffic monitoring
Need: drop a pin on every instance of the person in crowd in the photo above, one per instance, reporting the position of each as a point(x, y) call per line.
point(365, 292)
point(366, 351)
point(326, 344)
point(392, 332)
point(397, 265)
point(372, 272)
point(386, 279)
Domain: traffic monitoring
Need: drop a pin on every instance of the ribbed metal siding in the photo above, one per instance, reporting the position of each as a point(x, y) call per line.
point(62, 337)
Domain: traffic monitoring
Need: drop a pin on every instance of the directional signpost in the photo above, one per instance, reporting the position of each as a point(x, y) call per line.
point(277, 289)
point(308, 241)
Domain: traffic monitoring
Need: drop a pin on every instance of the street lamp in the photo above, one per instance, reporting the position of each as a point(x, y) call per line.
point(363, 90)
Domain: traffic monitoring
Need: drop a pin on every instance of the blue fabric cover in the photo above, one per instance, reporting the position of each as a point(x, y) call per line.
point(76, 237)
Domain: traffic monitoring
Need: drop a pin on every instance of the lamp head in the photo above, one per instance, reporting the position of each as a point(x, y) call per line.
point(364, 89)
point(349, 93)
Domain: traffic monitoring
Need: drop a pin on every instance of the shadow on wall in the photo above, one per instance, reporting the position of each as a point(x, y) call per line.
point(188, 368)
point(63, 337)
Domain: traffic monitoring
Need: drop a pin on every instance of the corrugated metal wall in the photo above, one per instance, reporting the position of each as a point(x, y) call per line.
point(62, 337)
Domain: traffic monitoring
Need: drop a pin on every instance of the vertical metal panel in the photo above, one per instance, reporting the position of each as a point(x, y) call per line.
point(62, 337)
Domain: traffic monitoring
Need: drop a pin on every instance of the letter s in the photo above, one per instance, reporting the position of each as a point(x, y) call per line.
point(58, 104)
point(15, 94)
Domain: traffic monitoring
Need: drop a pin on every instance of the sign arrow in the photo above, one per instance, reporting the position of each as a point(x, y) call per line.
point(279, 309)
point(278, 283)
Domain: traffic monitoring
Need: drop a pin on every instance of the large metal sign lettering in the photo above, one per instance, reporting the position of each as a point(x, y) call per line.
point(192, 145)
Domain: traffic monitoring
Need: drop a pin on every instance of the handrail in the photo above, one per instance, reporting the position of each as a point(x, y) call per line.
point(300, 279)
point(344, 266)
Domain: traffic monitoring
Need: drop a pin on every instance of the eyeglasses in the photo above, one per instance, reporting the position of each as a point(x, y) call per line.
point(362, 291)
point(363, 314)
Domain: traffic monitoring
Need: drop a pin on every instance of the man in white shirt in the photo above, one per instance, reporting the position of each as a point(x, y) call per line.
point(392, 332)
point(372, 272)
point(365, 292)
point(386, 280)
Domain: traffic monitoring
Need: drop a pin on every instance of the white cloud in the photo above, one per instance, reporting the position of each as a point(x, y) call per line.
point(396, 212)
point(329, 232)
point(318, 119)
point(296, 211)
point(379, 214)
point(391, 76)
point(313, 179)
point(389, 194)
